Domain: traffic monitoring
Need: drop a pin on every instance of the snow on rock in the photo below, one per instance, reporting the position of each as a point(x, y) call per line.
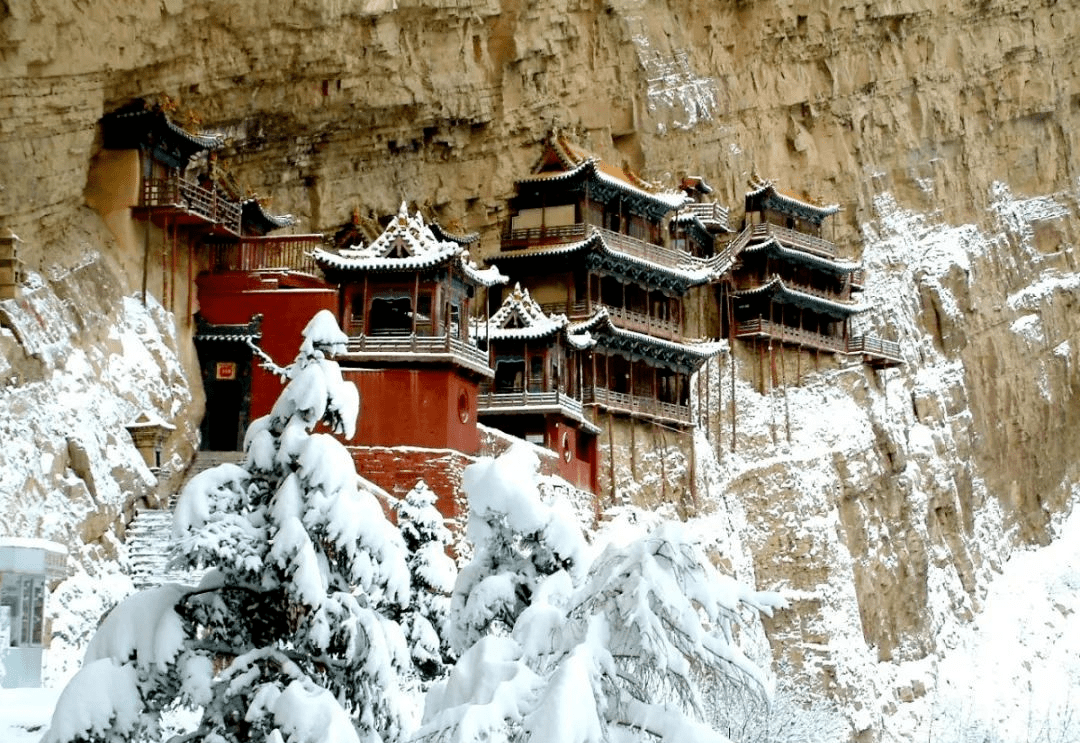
point(77, 375)
point(863, 497)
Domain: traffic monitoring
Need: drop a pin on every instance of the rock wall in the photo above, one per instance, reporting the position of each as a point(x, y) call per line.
point(947, 131)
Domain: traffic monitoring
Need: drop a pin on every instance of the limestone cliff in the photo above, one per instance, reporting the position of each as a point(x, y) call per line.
point(947, 131)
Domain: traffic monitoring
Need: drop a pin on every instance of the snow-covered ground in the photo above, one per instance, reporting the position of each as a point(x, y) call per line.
point(1014, 672)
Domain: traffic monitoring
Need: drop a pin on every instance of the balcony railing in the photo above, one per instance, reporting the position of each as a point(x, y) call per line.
point(539, 236)
point(878, 349)
point(623, 402)
point(290, 252)
point(761, 328)
point(523, 401)
point(573, 310)
point(801, 240)
point(544, 236)
point(642, 322)
point(709, 212)
point(437, 347)
point(176, 193)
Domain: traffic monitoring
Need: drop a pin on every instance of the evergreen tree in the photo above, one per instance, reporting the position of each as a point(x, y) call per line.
point(432, 573)
point(288, 637)
point(629, 646)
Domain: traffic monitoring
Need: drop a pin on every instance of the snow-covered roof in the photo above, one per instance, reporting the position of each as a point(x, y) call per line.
point(407, 244)
point(692, 272)
point(794, 295)
point(765, 196)
point(611, 335)
point(520, 317)
point(835, 265)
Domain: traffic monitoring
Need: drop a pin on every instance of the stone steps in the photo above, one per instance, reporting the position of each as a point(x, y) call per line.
point(149, 535)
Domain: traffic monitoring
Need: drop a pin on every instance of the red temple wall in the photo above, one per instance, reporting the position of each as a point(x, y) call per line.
point(397, 470)
point(580, 468)
point(227, 299)
point(433, 408)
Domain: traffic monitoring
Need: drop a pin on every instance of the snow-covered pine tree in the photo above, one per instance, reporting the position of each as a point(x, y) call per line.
point(433, 574)
point(626, 649)
point(288, 637)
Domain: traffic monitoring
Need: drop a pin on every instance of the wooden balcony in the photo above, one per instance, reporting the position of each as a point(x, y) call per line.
point(709, 212)
point(876, 352)
point(510, 402)
point(760, 328)
point(278, 252)
point(793, 238)
point(191, 203)
point(641, 322)
point(418, 348)
point(637, 406)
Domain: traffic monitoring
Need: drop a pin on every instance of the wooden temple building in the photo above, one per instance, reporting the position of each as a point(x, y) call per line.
point(405, 301)
point(539, 362)
point(787, 286)
point(594, 331)
point(594, 242)
point(212, 254)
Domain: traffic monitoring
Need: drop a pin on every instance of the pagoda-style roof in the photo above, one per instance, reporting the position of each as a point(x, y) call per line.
point(407, 245)
point(464, 240)
point(764, 196)
point(777, 290)
point(668, 270)
point(684, 357)
point(520, 318)
point(566, 167)
point(138, 125)
point(774, 247)
point(254, 219)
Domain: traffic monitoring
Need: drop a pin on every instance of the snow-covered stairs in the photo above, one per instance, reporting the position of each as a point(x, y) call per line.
point(149, 535)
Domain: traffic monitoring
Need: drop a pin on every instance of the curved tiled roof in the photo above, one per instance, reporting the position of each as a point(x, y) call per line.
point(767, 196)
point(776, 287)
point(699, 274)
point(690, 355)
point(802, 256)
point(407, 244)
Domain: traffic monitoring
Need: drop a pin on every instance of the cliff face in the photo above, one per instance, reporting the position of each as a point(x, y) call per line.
point(947, 131)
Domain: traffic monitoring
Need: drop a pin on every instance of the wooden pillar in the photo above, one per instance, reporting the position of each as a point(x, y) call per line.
point(415, 300)
point(364, 324)
point(190, 282)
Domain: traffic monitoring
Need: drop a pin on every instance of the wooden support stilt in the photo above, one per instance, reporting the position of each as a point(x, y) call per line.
point(611, 455)
point(146, 260)
point(731, 356)
point(783, 378)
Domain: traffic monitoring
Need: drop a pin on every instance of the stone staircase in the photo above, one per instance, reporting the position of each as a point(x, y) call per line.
point(149, 535)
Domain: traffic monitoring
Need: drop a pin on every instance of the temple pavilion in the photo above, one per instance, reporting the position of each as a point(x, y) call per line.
point(787, 286)
point(536, 392)
point(594, 242)
point(405, 301)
